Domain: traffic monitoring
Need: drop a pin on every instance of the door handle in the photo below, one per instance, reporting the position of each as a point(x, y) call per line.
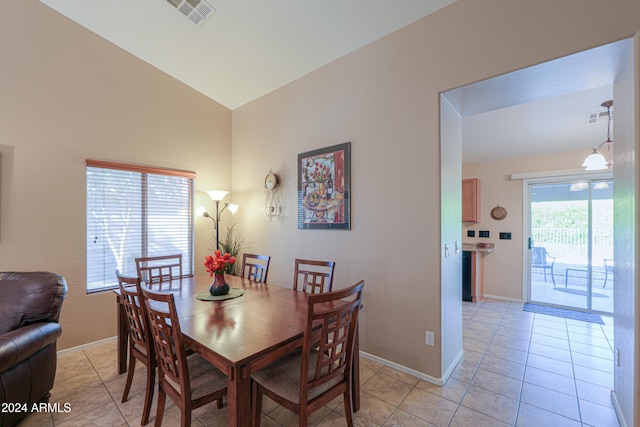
point(530, 242)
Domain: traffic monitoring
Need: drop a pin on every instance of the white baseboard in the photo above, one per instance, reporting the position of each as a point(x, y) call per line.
point(503, 298)
point(618, 409)
point(87, 345)
point(453, 366)
point(428, 378)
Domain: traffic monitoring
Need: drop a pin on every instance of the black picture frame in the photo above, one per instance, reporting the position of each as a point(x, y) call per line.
point(324, 188)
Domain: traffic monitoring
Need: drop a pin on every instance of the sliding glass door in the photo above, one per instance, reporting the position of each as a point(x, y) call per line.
point(571, 244)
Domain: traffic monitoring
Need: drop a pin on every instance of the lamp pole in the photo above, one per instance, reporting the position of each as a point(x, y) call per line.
point(217, 196)
point(216, 220)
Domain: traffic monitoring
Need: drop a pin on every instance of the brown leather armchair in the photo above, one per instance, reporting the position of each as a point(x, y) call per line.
point(30, 306)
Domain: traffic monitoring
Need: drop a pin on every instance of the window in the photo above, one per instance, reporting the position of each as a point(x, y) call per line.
point(135, 211)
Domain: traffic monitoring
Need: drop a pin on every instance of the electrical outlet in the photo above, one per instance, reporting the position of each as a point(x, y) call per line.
point(484, 233)
point(430, 338)
point(505, 236)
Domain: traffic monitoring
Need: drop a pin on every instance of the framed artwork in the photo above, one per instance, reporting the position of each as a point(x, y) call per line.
point(324, 188)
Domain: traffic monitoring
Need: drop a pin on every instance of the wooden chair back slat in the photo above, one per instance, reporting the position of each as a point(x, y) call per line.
point(130, 299)
point(205, 385)
point(159, 269)
point(334, 344)
point(255, 267)
point(313, 277)
point(167, 339)
point(307, 380)
point(140, 343)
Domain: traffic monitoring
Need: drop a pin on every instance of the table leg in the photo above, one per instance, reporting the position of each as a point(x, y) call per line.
point(239, 397)
point(122, 338)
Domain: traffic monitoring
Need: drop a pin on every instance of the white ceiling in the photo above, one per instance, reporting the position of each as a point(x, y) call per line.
point(249, 48)
point(541, 109)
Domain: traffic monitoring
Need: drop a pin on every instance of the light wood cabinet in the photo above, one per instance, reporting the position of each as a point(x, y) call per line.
point(471, 200)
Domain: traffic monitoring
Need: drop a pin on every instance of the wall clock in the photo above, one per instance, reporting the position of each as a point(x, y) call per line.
point(271, 181)
point(271, 187)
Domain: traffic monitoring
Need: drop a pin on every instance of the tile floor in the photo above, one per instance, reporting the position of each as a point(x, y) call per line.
point(574, 295)
point(519, 369)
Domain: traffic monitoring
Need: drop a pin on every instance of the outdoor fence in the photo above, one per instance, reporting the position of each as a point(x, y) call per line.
point(572, 244)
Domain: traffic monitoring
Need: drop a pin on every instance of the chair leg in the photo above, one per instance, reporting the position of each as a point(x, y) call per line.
point(148, 396)
point(185, 418)
point(130, 370)
point(185, 414)
point(553, 279)
point(348, 407)
point(160, 409)
point(303, 416)
point(219, 403)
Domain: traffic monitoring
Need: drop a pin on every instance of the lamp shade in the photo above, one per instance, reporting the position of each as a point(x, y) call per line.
point(201, 211)
point(595, 162)
point(217, 195)
point(233, 208)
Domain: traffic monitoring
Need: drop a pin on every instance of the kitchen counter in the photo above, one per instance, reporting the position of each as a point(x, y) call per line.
point(473, 247)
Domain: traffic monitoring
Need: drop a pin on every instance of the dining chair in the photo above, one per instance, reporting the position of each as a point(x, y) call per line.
point(140, 343)
point(159, 269)
point(608, 269)
point(306, 380)
point(540, 258)
point(255, 267)
point(315, 276)
point(190, 382)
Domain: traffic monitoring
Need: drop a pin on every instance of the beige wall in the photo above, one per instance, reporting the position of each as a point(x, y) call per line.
point(384, 98)
point(68, 95)
point(503, 272)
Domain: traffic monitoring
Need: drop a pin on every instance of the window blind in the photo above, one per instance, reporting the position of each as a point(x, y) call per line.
point(133, 212)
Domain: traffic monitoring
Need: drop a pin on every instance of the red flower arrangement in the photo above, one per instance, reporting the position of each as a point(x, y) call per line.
point(218, 263)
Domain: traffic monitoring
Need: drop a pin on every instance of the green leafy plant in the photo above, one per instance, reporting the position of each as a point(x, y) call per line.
point(232, 244)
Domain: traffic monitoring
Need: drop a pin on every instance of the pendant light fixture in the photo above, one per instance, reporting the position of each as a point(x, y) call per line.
point(596, 160)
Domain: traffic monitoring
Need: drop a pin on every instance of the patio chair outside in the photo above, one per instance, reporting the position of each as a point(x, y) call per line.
point(540, 258)
point(608, 270)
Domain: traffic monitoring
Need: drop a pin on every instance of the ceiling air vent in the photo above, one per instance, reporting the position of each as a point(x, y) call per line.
point(196, 10)
point(598, 116)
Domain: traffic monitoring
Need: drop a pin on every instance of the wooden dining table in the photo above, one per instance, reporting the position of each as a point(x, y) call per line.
point(239, 335)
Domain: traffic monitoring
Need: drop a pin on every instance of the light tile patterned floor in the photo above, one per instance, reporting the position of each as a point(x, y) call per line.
point(519, 369)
